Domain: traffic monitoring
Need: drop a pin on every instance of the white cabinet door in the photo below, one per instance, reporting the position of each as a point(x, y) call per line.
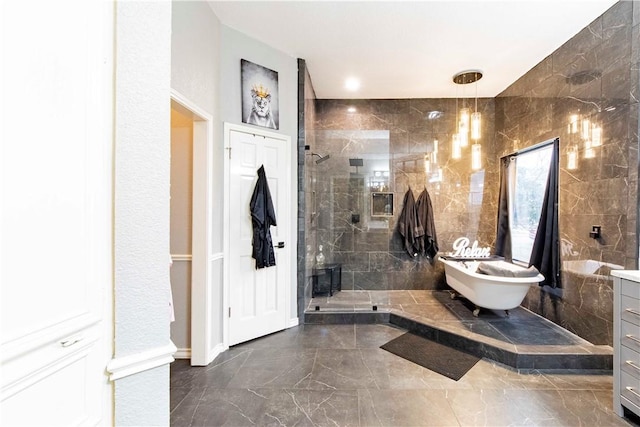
point(56, 227)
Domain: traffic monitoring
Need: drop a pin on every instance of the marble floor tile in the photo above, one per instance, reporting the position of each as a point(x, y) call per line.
point(498, 407)
point(391, 372)
point(338, 369)
point(373, 336)
point(487, 374)
point(274, 368)
point(429, 311)
point(310, 408)
point(230, 407)
point(328, 336)
point(578, 380)
point(405, 408)
point(216, 374)
point(336, 375)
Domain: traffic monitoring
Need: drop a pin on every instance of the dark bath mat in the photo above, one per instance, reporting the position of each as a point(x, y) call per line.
point(439, 358)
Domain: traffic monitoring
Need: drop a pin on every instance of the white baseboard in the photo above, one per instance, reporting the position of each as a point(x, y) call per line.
point(120, 367)
point(185, 353)
point(215, 351)
point(182, 353)
point(293, 322)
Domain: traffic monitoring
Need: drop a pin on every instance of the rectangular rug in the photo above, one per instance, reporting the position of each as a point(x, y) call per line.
point(437, 357)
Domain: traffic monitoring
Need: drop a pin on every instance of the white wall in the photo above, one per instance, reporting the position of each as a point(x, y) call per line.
point(181, 228)
point(141, 240)
point(195, 74)
point(234, 47)
point(205, 68)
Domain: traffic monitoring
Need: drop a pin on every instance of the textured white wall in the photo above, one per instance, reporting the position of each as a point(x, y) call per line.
point(143, 31)
point(195, 74)
point(236, 46)
point(181, 206)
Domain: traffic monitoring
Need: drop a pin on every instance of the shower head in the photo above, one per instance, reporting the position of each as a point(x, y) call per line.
point(321, 158)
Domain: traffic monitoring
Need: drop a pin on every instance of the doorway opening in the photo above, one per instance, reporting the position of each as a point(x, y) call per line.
point(181, 221)
point(193, 330)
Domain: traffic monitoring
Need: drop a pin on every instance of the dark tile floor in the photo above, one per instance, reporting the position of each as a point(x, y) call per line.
point(336, 375)
point(521, 339)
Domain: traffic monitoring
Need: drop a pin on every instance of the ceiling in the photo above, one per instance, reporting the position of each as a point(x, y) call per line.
point(412, 49)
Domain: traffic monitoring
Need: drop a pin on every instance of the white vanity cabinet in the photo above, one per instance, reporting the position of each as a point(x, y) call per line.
point(626, 341)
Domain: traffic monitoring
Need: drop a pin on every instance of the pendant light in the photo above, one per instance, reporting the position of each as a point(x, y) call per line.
point(469, 123)
point(456, 147)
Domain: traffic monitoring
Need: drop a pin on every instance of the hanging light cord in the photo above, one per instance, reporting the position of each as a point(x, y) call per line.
point(476, 92)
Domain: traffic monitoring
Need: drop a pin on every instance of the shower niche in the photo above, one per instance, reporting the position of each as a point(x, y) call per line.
point(381, 204)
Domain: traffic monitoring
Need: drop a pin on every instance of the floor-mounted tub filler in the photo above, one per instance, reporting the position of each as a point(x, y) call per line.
point(496, 292)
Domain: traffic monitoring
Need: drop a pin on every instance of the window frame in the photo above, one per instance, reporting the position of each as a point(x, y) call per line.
point(547, 145)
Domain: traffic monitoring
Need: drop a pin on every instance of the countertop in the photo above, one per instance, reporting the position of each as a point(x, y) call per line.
point(633, 275)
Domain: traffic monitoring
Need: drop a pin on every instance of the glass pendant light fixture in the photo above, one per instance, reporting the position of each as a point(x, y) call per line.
point(456, 148)
point(476, 120)
point(469, 124)
point(463, 127)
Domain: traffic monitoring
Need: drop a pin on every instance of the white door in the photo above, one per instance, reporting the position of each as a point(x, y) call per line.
point(56, 196)
point(258, 298)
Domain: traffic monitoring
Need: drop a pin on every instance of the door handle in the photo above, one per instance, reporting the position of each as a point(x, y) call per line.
point(71, 341)
point(280, 245)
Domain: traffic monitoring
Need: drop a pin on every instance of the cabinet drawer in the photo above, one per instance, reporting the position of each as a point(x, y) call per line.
point(629, 288)
point(630, 335)
point(630, 388)
point(630, 362)
point(630, 309)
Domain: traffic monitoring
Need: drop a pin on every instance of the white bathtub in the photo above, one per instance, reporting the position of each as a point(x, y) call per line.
point(590, 268)
point(493, 292)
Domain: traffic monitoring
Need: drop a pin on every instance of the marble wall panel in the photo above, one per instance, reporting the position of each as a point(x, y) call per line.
point(394, 136)
point(593, 75)
point(307, 218)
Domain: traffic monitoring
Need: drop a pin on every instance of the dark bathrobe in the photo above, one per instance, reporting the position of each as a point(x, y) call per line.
point(263, 216)
point(409, 226)
point(424, 212)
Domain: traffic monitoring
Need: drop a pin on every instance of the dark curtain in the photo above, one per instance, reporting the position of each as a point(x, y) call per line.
point(503, 234)
point(545, 255)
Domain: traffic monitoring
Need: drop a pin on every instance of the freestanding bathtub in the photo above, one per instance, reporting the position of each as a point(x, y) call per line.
point(492, 292)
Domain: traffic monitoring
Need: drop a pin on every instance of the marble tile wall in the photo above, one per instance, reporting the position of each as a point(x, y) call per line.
point(595, 75)
point(394, 136)
point(306, 188)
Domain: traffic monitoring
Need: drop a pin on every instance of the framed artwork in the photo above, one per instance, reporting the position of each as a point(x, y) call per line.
point(259, 95)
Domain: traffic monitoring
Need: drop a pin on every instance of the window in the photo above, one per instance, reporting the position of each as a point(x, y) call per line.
point(527, 194)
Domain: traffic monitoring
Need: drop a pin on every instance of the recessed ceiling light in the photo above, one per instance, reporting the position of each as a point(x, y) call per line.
point(351, 109)
point(352, 84)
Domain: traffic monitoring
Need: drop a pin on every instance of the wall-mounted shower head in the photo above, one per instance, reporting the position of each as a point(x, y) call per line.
point(320, 158)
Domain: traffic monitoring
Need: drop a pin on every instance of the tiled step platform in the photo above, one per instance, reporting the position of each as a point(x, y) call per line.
point(521, 339)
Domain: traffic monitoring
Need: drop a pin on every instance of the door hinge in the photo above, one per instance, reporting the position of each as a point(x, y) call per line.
point(229, 311)
point(229, 151)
